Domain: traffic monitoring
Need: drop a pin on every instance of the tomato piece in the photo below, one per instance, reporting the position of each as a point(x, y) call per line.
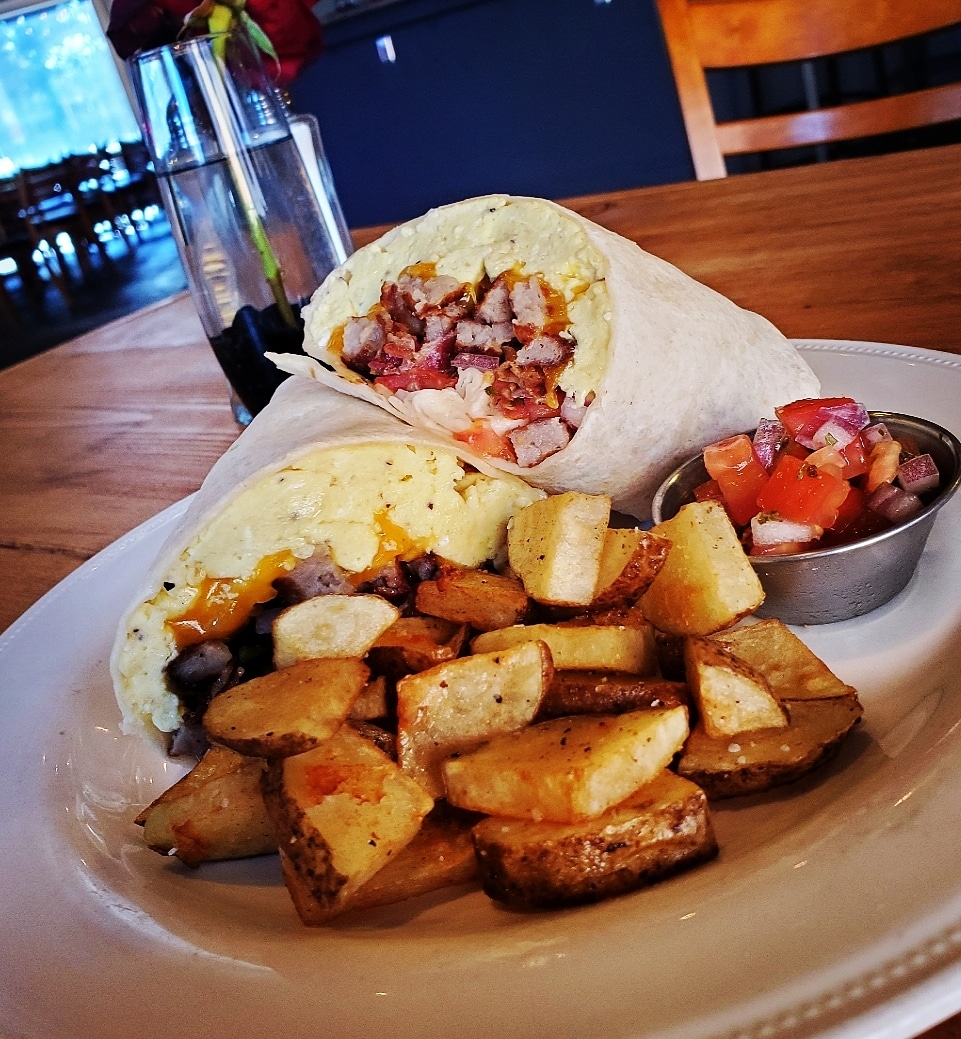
point(416, 379)
point(482, 439)
point(855, 459)
point(803, 493)
point(710, 490)
point(800, 413)
point(739, 474)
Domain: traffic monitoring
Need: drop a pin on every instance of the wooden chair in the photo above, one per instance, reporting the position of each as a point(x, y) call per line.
point(52, 207)
point(17, 245)
point(93, 184)
point(727, 34)
point(137, 189)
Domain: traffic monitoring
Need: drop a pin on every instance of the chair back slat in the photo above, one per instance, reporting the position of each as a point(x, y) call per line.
point(727, 34)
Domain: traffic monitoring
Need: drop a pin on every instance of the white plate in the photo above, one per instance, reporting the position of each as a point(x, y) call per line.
point(834, 907)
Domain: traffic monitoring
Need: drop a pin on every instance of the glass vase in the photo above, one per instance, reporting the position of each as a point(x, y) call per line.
point(257, 231)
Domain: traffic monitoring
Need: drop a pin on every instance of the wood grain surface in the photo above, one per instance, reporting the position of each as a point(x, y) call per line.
point(103, 432)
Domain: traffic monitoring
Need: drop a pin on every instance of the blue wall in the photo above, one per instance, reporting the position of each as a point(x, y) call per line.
point(544, 97)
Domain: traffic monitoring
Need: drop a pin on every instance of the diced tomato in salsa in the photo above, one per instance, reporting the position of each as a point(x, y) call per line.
point(803, 493)
point(739, 474)
point(799, 414)
point(856, 459)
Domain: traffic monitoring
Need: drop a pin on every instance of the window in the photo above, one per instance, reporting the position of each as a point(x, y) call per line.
point(60, 92)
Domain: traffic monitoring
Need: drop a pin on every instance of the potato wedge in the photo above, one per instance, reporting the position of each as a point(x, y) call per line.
point(475, 597)
point(414, 644)
point(608, 692)
point(440, 855)
point(288, 711)
point(707, 581)
point(566, 769)
point(581, 647)
point(630, 560)
point(660, 830)
point(373, 701)
point(757, 761)
point(554, 546)
point(793, 670)
point(456, 706)
point(340, 812)
point(732, 697)
point(331, 626)
point(214, 812)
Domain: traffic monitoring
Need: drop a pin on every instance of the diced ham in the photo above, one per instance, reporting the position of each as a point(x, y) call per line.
point(548, 351)
point(400, 308)
point(425, 294)
point(495, 308)
point(573, 413)
point(363, 341)
point(535, 442)
point(485, 362)
point(529, 303)
point(316, 575)
point(477, 335)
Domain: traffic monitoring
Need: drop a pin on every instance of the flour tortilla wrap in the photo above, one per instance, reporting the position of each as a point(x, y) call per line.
point(669, 364)
point(315, 470)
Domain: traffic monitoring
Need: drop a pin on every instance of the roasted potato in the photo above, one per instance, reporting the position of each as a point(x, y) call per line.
point(214, 812)
point(608, 692)
point(330, 626)
point(339, 813)
point(288, 711)
point(707, 582)
point(753, 762)
point(373, 702)
point(793, 671)
point(630, 560)
point(731, 696)
point(554, 546)
point(566, 769)
point(440, 855)
point(581, 647)
point(475, 597)
point(416, 643)
point(661, 829)
point(455, 706)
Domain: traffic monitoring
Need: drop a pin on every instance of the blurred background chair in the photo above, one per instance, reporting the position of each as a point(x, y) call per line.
point(704, 35)
point(17, 246)
point(53, 208)
point(93, 182)
point(137, 192)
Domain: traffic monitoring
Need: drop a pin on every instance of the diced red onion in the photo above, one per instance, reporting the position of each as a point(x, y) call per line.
point(768, 438)
point(768, 529)
point(487, 362)
point(876, 434)
point(894, 503)
point(919, 474)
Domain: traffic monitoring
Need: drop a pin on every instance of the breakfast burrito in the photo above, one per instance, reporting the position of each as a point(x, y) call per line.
point(321, 493)
point(559, 350)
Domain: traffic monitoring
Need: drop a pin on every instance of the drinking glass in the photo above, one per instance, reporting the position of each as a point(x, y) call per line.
point(256, 229)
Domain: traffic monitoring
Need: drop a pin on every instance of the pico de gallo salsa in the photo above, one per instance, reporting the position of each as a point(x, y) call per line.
point(821, 473)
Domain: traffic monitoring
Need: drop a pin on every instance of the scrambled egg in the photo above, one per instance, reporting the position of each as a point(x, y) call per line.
point(366, 503)
point(468, 240)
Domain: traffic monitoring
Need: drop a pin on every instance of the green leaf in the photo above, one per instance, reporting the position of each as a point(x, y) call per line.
point(260, 38)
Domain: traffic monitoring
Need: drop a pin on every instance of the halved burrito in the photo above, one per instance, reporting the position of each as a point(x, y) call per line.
point(320, 492)
point(557, 349)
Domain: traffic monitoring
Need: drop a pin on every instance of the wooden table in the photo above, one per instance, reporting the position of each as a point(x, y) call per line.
point(101, 433)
